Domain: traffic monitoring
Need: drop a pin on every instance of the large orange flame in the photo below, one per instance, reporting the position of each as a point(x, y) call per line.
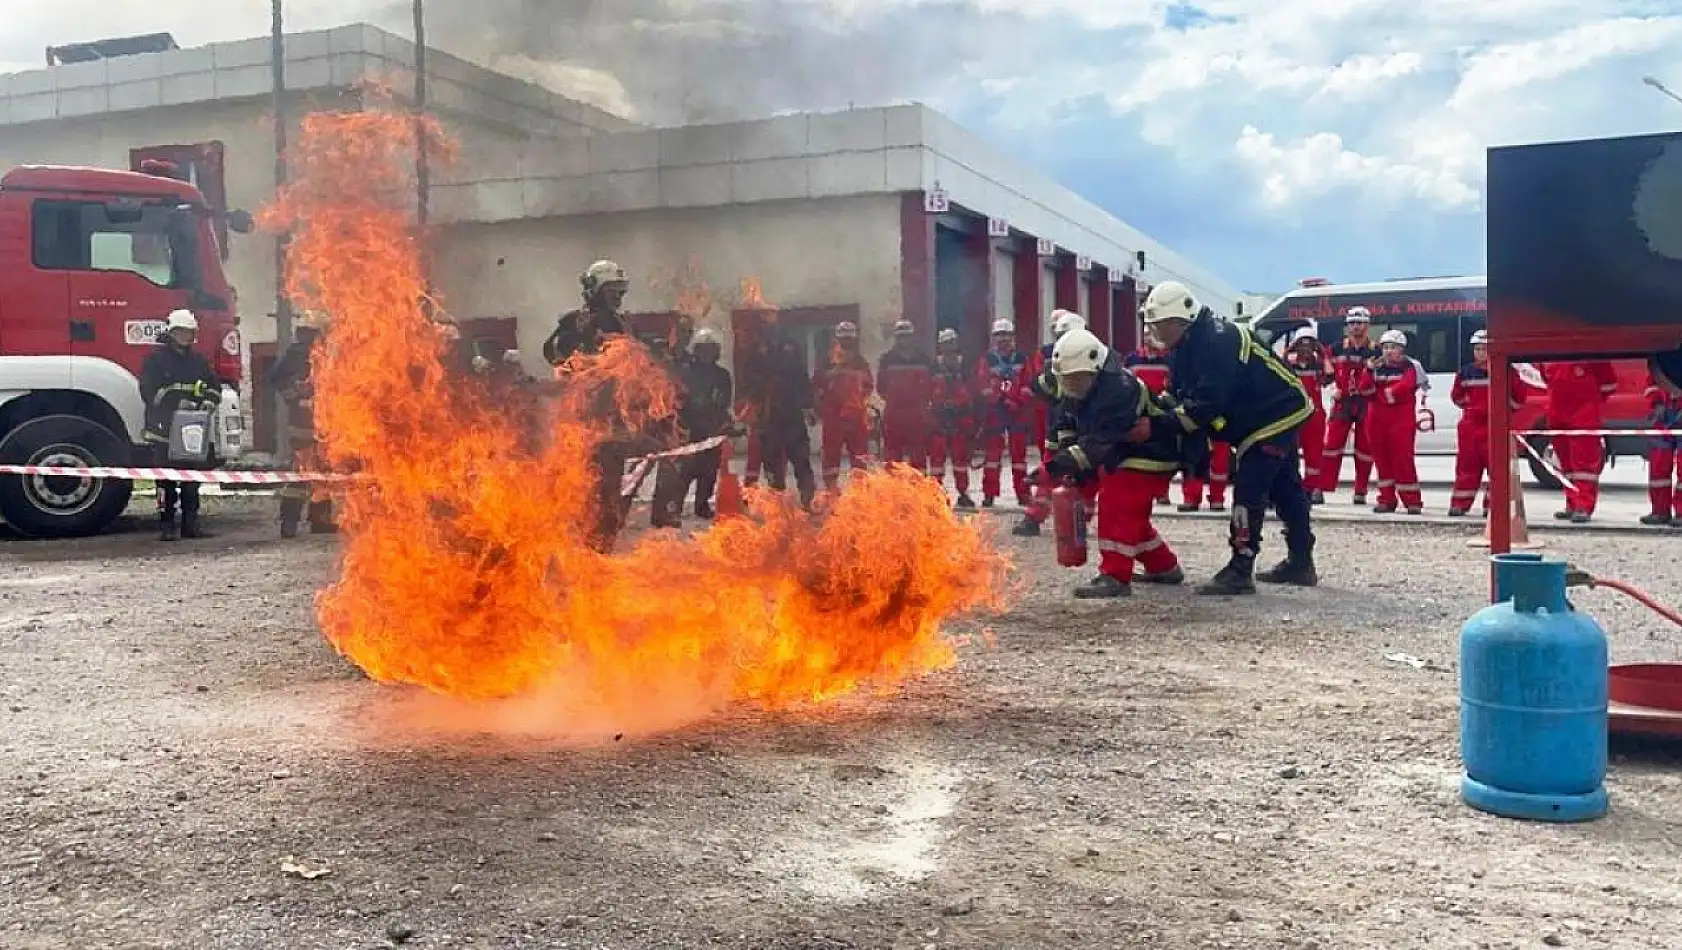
point(466, 568)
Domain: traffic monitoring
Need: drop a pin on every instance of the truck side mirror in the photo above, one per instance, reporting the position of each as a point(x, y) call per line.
point(241, 222)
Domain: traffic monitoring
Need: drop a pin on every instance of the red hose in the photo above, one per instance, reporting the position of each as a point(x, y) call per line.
point(1641, 596)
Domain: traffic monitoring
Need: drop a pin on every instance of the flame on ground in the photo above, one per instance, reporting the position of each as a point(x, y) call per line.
point(466, 568)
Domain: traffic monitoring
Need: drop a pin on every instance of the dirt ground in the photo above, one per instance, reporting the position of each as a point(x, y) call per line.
point(1168, 772)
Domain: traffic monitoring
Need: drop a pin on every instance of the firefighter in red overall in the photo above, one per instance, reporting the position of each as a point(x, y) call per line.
point(952, 403)
point(1576, 395)
point(1006, 415)
point(1044, 385)
point(905, 377)
point(1471, 435)
point(1664, 453)
point(1350, 362)
point(1393, 424)
point(1129, 444)
point(1037, 363)
point(1150, 364)
point(842, 387)
point(1308, 358)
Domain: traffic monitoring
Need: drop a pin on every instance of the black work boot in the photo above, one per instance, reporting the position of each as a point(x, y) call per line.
point(291, 514)
point(1103, 587)
point(1026, 529)
point(1236, 579)
point(1169, 578)
point(1657, 519)
point(705, 511)
point(321, 518)
point(1564, 514)
point(965, 502)
point(166, 527)
point(1297, 571)
point(1317, 498)
point(190, 527)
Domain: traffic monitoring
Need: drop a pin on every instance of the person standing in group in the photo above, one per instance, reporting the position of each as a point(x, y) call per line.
point(1150, 365)
point(293, 377)
point(953, 404)
point(705, 412)
point(1307, 357)
point(1471, 392)
point(1123, 440)
point(842, 387)
point(1350, 362)
point(1006, 415)
point(905, 378)
point(1049, 392)
point(1393, 425)
point(1664, 453)
point(174, 376)
point(1577, 393)
point(1226, 385)
point(786, 419)
point(1037, 365)
point(754, 363)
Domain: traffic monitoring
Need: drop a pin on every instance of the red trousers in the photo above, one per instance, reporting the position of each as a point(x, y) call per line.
point(1338, 429)
point(1471, 461)
point(905, 438)
point(849, 433)
point(1393, 432)
point(1220, 472)
point(1664, 473)
point(1125, 534)
point(950, 447)
point(1580, 458)
point(993, 452)
point(1313, 443)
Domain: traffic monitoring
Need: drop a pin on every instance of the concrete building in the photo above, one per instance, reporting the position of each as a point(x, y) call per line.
point(869, 214)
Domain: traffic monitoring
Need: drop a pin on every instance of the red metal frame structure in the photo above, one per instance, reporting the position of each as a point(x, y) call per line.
point(1582, 265)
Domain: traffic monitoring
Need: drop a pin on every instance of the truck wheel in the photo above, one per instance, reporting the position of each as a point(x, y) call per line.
point(52, 506)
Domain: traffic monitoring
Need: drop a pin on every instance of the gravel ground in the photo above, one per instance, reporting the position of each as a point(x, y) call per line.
point(1168, 772)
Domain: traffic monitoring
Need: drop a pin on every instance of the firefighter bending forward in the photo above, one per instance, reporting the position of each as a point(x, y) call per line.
point(1126, 442)
point(1225, 384)
point(953, 405)
point(293, 378)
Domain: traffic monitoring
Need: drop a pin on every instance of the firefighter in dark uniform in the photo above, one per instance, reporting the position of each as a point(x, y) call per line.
point(1121, 439)
point(786, 419)
point(707, 397)
point(1226, 384)
point(293, 379)
point(176, 376)
point(583, 332)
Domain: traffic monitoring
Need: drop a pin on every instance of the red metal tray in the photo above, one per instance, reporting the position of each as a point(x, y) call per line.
point(1646, 698)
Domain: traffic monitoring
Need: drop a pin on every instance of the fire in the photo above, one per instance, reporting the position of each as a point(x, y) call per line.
point(466, 569)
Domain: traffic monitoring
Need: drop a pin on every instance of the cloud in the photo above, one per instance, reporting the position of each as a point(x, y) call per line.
point(1278, 137)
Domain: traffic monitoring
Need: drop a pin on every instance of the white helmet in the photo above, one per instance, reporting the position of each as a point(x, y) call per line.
point(1169, 300)
point(1303, 333)
point(846, 330)
point(904, 328)
point(602, 273)
point(1482, 336)
point(1358, 315)
point(1062, 321)
point(1078, 351)
point(947, 335)
point(705, 335)
point(1394, 336)
point(1002, 327)
point(182, 320)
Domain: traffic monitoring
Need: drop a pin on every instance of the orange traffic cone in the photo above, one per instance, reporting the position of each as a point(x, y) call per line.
point(729, 486)
point(1519, 533)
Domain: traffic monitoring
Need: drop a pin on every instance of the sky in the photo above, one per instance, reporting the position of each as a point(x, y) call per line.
point(1267, 140)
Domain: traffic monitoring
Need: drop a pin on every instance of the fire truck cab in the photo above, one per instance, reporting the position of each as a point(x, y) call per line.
point(92, 261)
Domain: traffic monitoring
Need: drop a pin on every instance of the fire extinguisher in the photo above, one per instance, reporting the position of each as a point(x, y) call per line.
point(1068, 524)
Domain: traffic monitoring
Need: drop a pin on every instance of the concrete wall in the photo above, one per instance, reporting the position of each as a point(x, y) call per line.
point(805, 253)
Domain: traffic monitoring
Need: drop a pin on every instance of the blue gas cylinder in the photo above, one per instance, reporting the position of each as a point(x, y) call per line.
point(1533, 677)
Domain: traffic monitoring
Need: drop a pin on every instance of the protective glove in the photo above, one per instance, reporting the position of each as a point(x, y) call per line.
point(1063, 465)
point(1195, 457)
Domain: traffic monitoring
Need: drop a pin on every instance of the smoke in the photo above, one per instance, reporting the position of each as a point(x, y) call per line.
point(670, 62)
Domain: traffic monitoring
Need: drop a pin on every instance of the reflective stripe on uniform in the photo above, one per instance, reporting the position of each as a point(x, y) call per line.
point(1130, 550)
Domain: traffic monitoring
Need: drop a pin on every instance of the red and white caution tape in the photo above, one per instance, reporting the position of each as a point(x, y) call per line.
point(640, 467)
point(1568, 484)
point(216, 477)
point(1645, 432)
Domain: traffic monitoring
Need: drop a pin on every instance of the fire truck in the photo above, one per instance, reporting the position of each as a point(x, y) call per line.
point(92, 261)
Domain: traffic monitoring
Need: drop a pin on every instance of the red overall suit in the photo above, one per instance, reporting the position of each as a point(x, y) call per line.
point(1664, 455)
point(1393, 428)
point(1349, 411)
point(1151, 366)
point(1313, 368)
point(906, 381)
point(1576, 393)
point(1006, 419)
point(842, 388)
point(1471, 436)
point(1037, 361)
point(953, 405)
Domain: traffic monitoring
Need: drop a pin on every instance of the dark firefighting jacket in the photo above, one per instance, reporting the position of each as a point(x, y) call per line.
point(293, 379)
point(170, 376)
point(707, 398)
point(576, 334)
point(1094, 430)
point(1226, 385)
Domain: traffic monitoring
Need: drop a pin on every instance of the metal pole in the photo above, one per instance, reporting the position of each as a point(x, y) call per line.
point(282, 305)
point(423, 174)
